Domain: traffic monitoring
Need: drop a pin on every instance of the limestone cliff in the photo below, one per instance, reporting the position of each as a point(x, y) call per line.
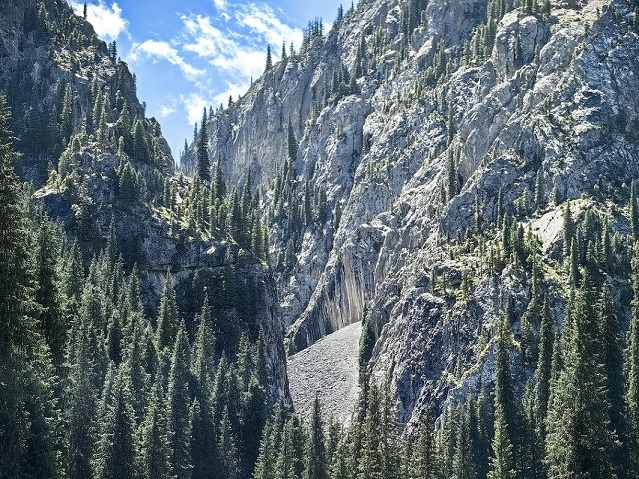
point(439, 122)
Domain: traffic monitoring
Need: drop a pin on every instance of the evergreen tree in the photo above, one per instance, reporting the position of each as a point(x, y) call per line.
point(269, 58)
point(370, 462)
point(139, 142)
point(154, 451)
point(502, 464)
point(580, 442)
point(613, 365)
point(178, 402)
point(115, 457)
point(82, 408)
point(265, 465)
point(202, 150)
point(316, 460)
point(28, 415)
point(632, 365)
point(424, 461)
point(634, 211)
point(291, 142)
point(227, 449)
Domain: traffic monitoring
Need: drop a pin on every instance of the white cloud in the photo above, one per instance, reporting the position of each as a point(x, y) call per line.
point(163, 50)
point(220, 4)
point(166, 110)
point(194, 104)
point(107, 21)
point(264, 21)
point(222, 50)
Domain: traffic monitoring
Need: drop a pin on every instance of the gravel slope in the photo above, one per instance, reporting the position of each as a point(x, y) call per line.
point(328, 368)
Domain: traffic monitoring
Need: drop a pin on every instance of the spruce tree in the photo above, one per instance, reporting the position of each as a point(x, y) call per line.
point(178, 402)
point(269, 58)
point(502, 464)
point(316, 460)
point(613, 365)
point(634, 211)
point(154, 452)
point(202, 151)
point(227, 449)
point(115, 458)
point(28, 415)
point(82, 408)
point(424, 461)
point(580, 442)
point(632, 365)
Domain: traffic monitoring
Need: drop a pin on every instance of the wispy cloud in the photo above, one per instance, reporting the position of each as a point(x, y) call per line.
point(220, 4)
point(157, 49)
point(264, 21)
point(194, 103)
point(166, 110)
point(222, 50)
point(219, 53)
point(107, 21)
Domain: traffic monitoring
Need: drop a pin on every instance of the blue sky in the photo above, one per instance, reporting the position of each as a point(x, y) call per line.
point(188, 54)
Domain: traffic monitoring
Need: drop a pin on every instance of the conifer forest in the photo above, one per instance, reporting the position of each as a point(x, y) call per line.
point(458, 180)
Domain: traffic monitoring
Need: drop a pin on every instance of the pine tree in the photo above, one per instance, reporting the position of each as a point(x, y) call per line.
point(140, 145)
point(178, 402)
point(543, 371)
point(424, 461)
point(613, 365)
point(634, 211)
point(82, 407)
point(203, 162)
point(115, 458)
point(291, 142)
point(203, 433)
point(632, 365)
point(265, 464)
point(568, 229)
point(269, 58)
point(227, 449)
point(502, 465)
point(316, 460)
point(154, 451)
point(580, 442)
point(167, 324)
point(28, 415)
point(370, 462)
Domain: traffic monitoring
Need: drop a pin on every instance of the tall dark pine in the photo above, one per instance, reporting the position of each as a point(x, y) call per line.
point(612, 358)
point(202, 151)
point(580, 442)
point(82, 408)
point(178, 402)
point(27, 416)
point(316, 465)
point(116, 451)
point(424, 461)
point(502, 463)
point(269, 58)
point(154, 452)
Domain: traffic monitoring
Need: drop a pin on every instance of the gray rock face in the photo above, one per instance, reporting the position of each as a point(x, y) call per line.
point(564, 105)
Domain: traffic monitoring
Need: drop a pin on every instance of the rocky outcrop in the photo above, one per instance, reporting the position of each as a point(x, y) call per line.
point(552, 99)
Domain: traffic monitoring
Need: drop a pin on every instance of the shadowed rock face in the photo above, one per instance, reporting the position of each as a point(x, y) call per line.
point(554, 97)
